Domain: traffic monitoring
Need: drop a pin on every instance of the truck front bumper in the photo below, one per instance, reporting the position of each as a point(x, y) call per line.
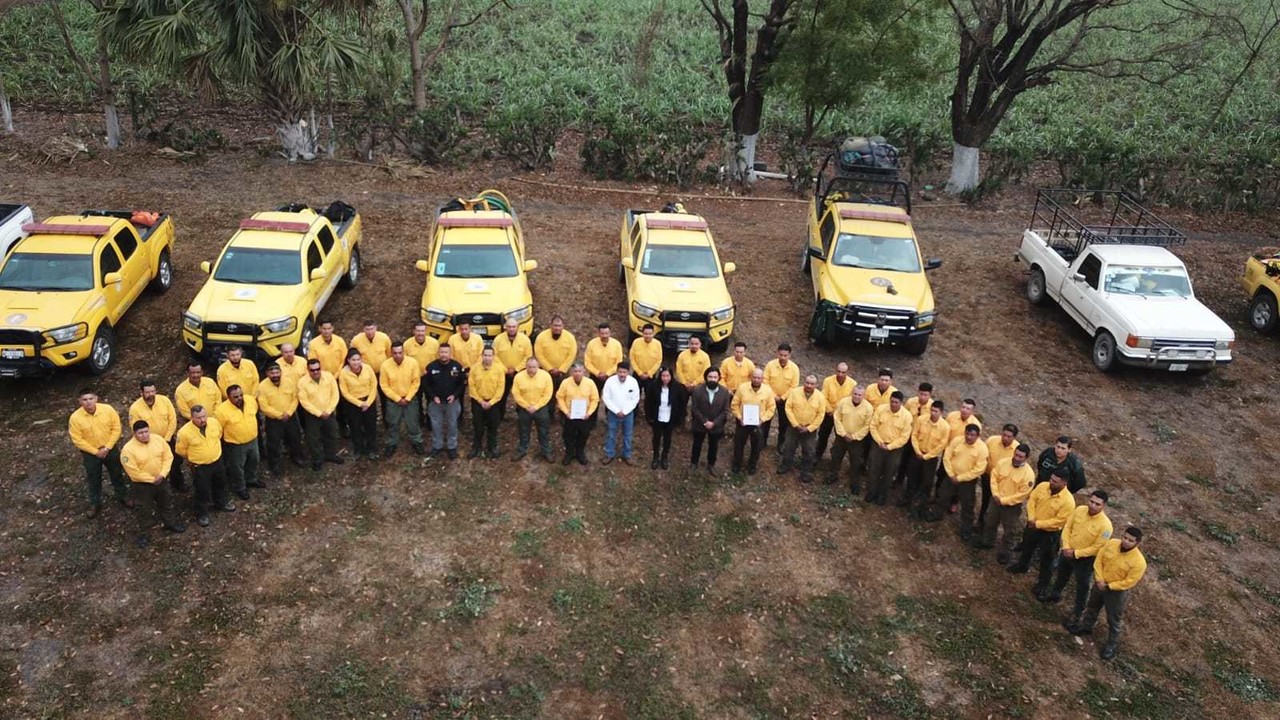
point(212, 348)
point(1175, 359)
point(674, 334)
point(27, 354)
point(876, 326)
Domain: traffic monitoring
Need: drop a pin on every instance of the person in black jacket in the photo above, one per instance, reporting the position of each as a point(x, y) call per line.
point(664, 398)
point(1063, 461)
point(709, 407)
point(444, 383)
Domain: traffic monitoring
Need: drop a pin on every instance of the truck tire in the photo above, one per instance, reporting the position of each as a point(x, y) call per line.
point(352, 276)
point(102, 352)
point(804, 259)
point(304, 340)
point(163, 280)
point(1036, 293)
point(916, 345)
point(1262, 312)
point(1104, 351)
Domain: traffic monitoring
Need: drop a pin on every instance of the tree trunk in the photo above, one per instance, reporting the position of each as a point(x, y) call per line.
point(298, 138)
point(6, 111)
point(413, 29)
point(965, 173)
point(107, 93)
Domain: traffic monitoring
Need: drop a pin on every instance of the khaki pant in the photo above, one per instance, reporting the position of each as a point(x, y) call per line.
point(160, 495)
point(965, 492)
point(1008, 516)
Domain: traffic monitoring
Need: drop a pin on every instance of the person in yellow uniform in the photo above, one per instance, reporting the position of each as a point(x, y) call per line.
point(577, 400)
point(466, 345)
point(358, 386)
point(235, 370)
point(753, 405)
point(929, 438)
point(1011, 483)
point(602, 355)
point(162, 423)
point(965, 460)
point(692, 364)
point(879, 393)
point(891, 427)
point(1048, 508)
point(556, 349)
point(95, 431)
point(278, 401)
point(195, 390)
point(238, 416)
point(329, 349)
point(835, 388)
point(373, 344)
point(645, 356)
point(148, 462)
point(782, 376)
point(852, 424)
point(512, 349)
point(957, 420)
point(424, 349)
point(532, 391)
point(292, 367)
point(486, 388)
point(999, 447)
point(200, 443)
point(318, 398)
point(400, 382)
point(1118, 567)
point(919, 405)
point(805, 407)
point(1086, 531)
point(737, 368)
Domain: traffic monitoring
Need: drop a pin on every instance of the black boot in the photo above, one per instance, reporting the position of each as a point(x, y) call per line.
point(1112, 647)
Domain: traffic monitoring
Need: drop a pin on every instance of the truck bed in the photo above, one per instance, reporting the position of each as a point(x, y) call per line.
point(9, 211)
point(144, 231)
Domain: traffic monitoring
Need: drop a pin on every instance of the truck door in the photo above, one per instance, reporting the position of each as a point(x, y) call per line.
point(633, 246)
point(316, 289)
point(335, 263)
point(826, 240)
point(1080, 297)
point(114, 293)
point(137, 269)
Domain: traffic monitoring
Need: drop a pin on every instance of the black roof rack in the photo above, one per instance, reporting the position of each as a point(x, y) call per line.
point(1073, 218)
point(861, 183)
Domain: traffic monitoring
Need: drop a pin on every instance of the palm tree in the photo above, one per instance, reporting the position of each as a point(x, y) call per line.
point(279, 47)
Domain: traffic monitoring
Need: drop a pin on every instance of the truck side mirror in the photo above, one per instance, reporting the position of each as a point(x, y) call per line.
point(319, 274)
point(816, 253)
point(205, 267)
point(112, 278)
point(423, 265)
point(729, 267)
point(1078, 277)
point(530, 265)
point(629, 263)
point(933, 263)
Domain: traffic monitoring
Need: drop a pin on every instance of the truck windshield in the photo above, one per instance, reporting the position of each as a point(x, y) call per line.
point(873, 252)
point(1147, 281)
point(256, 266)
point(476, 261)
point(47, 271)
point(692, 261)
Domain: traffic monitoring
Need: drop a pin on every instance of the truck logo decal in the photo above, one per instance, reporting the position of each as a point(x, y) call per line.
point(232, 327)
point(16, 319)
point(246, 293)
point(881, 318)
point(684, 316)
point(880, 281)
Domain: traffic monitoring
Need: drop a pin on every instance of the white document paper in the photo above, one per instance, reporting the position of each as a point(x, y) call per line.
point(751, 415)
point(664, 413)
point(578, 409)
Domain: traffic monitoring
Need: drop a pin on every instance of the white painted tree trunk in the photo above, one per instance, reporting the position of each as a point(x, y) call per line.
point(747, 159)
point(965, 173)
point(298, 139)
point(113, 125)
point(6, 111)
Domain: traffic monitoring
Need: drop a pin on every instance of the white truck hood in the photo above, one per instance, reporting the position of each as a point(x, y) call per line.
point(1172, 318)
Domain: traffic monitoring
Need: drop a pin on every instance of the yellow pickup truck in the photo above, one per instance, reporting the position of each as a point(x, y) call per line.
point(1261, 282)
point(476, 268)
point(271, 281)
point(68, 284)
point(869, 282)
point(674, 278)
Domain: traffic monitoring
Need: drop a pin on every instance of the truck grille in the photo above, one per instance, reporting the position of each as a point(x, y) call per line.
point(21, 337)
point(1160, 344)
point(478, 319)
point(873, 317)
point(226, 328)
point(684, 316)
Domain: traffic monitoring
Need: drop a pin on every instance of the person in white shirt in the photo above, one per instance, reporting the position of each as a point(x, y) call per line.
point(665, 403)
point(620, 397)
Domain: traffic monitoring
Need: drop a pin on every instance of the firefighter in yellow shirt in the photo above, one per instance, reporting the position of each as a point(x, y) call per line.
point(645, 356)
point(358, 386)
point(754, 393)
point(852, 424)
point(425, 349)
point(486, 387)
point(162, 423)
point(95, 431)
point(692, 364)
point(466, 345)
point(1011, 483)
point(782, 375)
point(999, 447)
point(964, 460)
point(400, 382)
point(512, 349)
point(200, 443)
point(318, 397)
point(238, 416)
point(805, 407)
point(292, 367)
point(148, 461)
point(958, 420)
point(834, 389)
point(1118, 567)
point(235, 370)
point(278, 401)
point(556, 349)
point(195, 390)
point(577, 400)
point(879, 393)
point(532, 392)
point(329, 349)
point(918, 406)
point(891, 427)
point(373, 345)
point(1048, 509)
point(1087, 530)
point(737, 368)
point(602, 355)
point(930, 436)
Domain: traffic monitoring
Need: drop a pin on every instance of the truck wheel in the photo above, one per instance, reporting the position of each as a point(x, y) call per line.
point(304, 340)
point(1104, 351)
point(622, 274)
point(916, 345)
point(1262, 312)
point(1035, 287)
point(804, 259)
point(720, 346)
point(103, 350)
point(353, 270)
point(164, 274)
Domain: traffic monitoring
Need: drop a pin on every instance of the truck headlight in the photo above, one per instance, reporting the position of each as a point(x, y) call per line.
point(724, 313)
point(1224, 344)
point(286, 324)
point(434, 315)
point(67, 333)
point(191, 322)
point(648, 312)
point(1134, 341)
point(519, 315)
point(924, 320)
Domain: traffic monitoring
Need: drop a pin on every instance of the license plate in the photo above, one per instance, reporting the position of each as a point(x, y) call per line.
point(1178, 367)
point(8, 354)
point(879, 333)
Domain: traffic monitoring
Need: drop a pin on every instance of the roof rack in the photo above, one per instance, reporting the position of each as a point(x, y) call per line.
point(848, 214)
point(861, 184)
point(476, 222)
point(65, 229)
point(274, 226)
point(1074, 218)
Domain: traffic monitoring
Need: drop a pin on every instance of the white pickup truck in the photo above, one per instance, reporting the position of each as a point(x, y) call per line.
point(1104, 259)
point(12, 218)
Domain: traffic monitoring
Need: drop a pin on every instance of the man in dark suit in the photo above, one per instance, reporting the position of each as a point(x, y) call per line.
point(709, 404)
point(665, 401)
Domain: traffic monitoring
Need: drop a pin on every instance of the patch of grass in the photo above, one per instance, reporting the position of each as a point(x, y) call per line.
point(1259, 588)
point(834, 497)
point(1221, 533)
point(1165, 435)
point(1201, 480)
point(497, 698)
point(179, 679)
point(528, 544)
point(351, 687)
point(574, 525)
point(473, 597)
point(1178, 525)
point(1236, 675)
point(579, 595)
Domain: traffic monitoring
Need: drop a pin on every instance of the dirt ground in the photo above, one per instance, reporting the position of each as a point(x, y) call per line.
point(490, 589)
